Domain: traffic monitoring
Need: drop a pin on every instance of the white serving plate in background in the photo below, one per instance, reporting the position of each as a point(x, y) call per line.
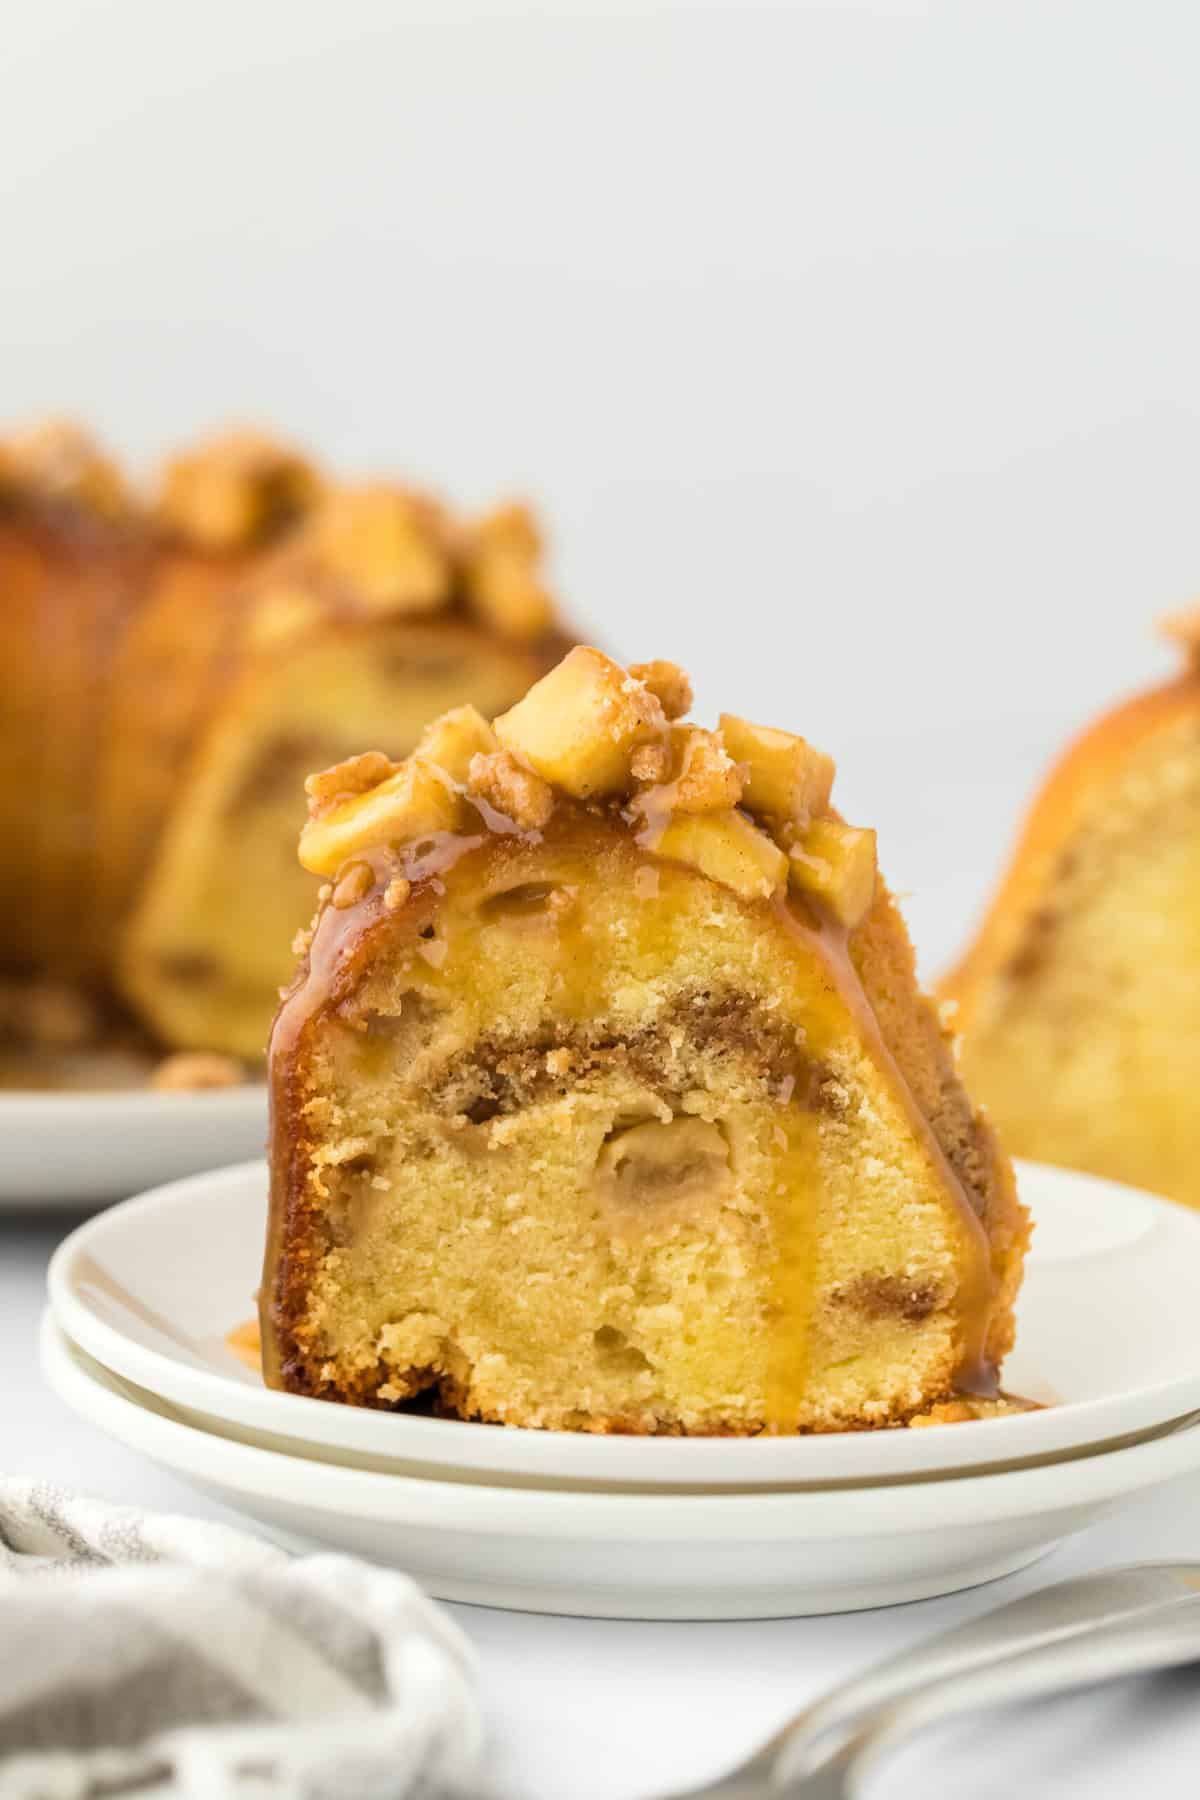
point(1108, 1327)
point(75, 1148)
point(639, 1555)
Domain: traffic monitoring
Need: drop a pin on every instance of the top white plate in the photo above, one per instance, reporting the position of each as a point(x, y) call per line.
point(74, 1148)
point(1108, 1330)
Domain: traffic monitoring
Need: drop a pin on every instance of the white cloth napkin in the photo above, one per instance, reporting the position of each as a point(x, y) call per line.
point(156, 1655)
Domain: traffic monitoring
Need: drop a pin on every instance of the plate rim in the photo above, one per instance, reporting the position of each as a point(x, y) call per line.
point(73, 1150)
point(456, 1507)
point(444, 1443)
point(108, 1102)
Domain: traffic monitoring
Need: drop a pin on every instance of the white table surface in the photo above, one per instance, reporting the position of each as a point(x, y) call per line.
point(603, 1710)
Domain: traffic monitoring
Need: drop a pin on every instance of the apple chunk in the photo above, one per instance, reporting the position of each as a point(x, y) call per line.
point(579, 725)
point(727, 847)
point(835, 863)
point(786, 777)
point(412, 803)
point(454, 739)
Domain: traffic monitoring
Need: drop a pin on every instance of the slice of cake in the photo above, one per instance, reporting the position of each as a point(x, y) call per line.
point(1080, 998)
point(605, 1098)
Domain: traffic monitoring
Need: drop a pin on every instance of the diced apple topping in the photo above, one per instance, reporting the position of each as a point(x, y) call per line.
point(579, 725)
point(511, 528)
point(707, 778)
point(386, 546)
point(509, 597)
point(835, 864)
point(786, 777)
point(62, 461)
point(668, 682)
point(747, 806)
point(235, 489)
point(727, 847)
point(413, 802)
point(454, 739)
point(501, 573)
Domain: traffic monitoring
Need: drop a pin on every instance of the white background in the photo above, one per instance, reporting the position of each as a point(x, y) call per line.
point(852, 349)
point(852, 352)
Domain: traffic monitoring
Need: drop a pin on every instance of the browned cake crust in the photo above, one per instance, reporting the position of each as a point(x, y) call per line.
point(137, 635)
point(1015, 918)
point(574, 873)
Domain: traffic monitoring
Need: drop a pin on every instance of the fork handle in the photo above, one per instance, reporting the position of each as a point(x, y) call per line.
point(1045, 1617)
point(1161, 1636)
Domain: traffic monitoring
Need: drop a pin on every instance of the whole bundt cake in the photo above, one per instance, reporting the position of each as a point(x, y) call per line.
point(605, 1098)
point(1079, 1001)
point(173, 667)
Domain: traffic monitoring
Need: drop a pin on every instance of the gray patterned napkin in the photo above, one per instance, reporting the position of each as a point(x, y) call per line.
point(156, 1655)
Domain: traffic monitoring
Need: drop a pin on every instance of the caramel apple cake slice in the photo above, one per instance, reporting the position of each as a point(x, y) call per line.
point(605, 1099)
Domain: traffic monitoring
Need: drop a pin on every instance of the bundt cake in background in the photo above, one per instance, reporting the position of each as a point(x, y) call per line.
point(1079, 1002)
point(173, 667)
point(605, 1098)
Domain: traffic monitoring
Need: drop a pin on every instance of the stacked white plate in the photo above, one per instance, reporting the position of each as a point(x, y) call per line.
point(143, 1297)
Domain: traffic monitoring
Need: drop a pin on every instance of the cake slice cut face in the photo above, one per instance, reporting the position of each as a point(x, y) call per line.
point(602, 1102)
point(1079, 1000)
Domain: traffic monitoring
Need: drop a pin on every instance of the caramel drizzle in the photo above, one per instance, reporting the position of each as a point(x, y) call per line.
point(830, 943)
point(245, 1342)
point(650, 813)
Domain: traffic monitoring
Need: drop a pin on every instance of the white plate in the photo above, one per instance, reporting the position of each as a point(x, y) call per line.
point(71, 1149)
point(151, 1288)
point(650, 1556)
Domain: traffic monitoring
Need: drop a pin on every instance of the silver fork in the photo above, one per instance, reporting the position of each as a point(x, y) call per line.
point(1095, 1628)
